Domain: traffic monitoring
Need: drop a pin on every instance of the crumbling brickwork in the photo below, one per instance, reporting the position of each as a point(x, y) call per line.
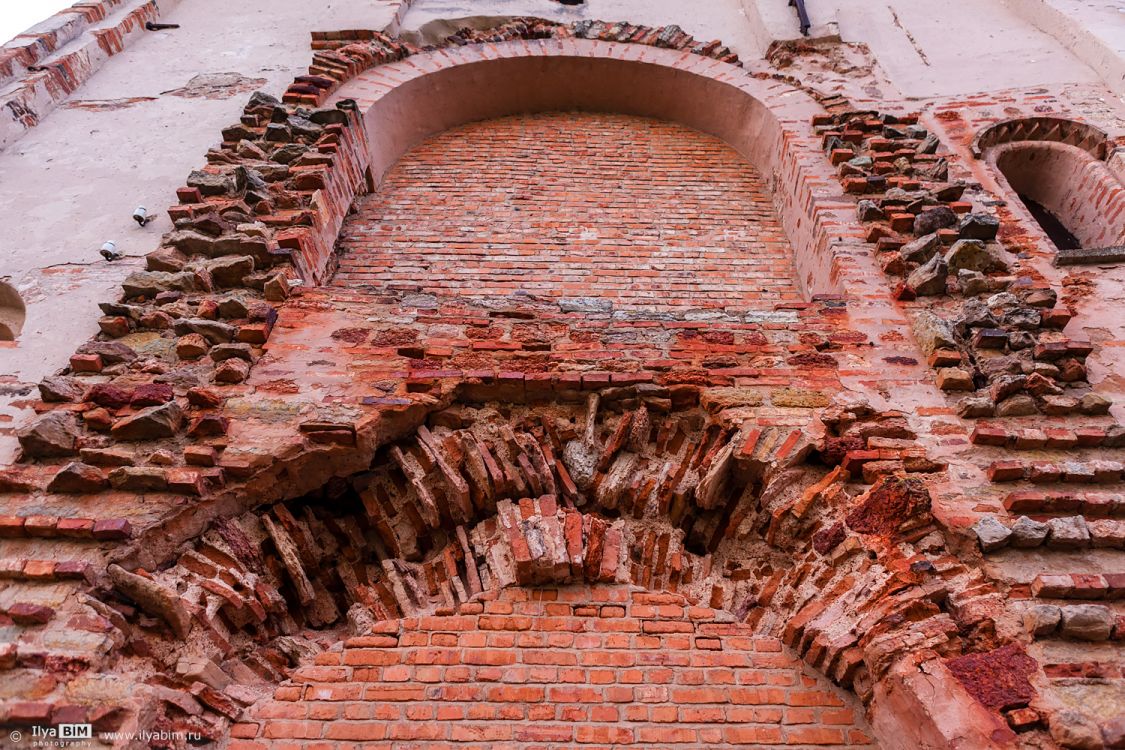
point(575, 427)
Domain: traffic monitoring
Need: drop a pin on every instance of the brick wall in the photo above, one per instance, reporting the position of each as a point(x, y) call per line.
point(569, 667)
point(639, 212)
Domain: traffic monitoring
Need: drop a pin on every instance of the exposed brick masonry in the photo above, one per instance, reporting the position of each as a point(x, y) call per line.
point(344, 482)
point(570, 205)
point(566, 667)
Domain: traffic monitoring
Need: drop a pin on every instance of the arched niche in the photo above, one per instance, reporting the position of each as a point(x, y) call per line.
point(1077, 201)
point(12, 313)
point(766, 122)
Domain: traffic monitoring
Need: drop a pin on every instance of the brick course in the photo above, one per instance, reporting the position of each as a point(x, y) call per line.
point(641, 213)
point(570, 666)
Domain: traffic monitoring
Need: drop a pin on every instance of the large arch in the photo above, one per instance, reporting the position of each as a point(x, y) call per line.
point(404, 103)
point(667, 502)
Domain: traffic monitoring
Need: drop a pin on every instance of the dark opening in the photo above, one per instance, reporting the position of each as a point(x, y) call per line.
point(1050, 223)
point(572, 2)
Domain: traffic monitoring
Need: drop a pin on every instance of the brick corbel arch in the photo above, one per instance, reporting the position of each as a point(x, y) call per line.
point(1093, 140)
point(851, 618)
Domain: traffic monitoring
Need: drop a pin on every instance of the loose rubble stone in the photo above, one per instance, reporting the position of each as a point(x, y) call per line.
point(1016, 406)
point(207, 425)
point(53, 435)
point(933, 333)
point(1019, 340)
point(920, 250)
point(869, 211)
point(151, 394)
point(1027, 533)
point(1087, 622)
point(929, 145)
point(1068, 533)
point(1002, 302)
point(954, 379)
point(154, 598)
point(115, 326)
point(139, 479)
point(276, 288)
point(191, 346)
point(213, 331)
point(30, 615)
point(152, 423)
point(978, 226)
point(929, 279)
point(109, 395)
point(1038, 385)
point(97, 419)
point(975, 314)
point(360, 619)
point(205, 398)
point(1075, 731)
point(77, 477)
point(1024, 719)
point(59, 389)
point(931, 220)
point(222, 352)
point(150, 283)
point(1023, 318)
point(973, 283)
point(975, 408)
point(166, 259)
point(972, 255)
point(1041, 298)
point(232, 371)
point(1094, 404)
point(1004, 386)
point(110, 352)
point(1071, 371)
point(991, 534)
point(1042, 620)
point(228, 271)
point(232, 308)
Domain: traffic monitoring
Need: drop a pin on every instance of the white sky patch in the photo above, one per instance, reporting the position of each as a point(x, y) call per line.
point(16, 16)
